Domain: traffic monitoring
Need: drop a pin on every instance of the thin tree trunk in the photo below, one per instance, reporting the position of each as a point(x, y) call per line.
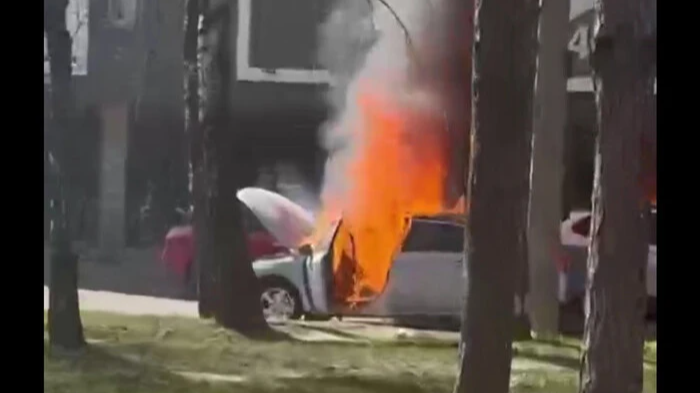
point(205, 282)
point(237, 288)
point(65, 327)
point(623, 60)
point(547, 168)
point(498, 187)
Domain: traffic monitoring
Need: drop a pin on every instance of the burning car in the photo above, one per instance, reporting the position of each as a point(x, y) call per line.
point(425, 277)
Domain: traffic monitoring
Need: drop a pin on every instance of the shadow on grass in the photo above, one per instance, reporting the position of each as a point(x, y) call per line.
point(99, 371)
point(564, 343)
point(358, 384)
point(268, 334)
point(557, 360)
point(330, 330)
point(570, 362)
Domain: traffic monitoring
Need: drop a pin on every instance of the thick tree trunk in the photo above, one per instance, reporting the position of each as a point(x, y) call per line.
point(205, 282)
point(65, 327)
point(547, 168)
point(237, 288)
point(498, 188)
point(623, 60)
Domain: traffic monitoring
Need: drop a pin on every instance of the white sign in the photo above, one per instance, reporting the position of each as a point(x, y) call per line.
point(579, 42)
point(579, 45)
point(77, 24)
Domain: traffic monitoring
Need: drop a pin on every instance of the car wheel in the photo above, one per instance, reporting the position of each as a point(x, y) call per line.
point(279, 301)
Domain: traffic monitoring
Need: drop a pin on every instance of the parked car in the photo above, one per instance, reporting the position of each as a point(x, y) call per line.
point(178, 248)
point(572, 260)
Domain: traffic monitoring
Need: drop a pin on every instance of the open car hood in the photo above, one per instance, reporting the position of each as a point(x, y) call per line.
point(288, 222)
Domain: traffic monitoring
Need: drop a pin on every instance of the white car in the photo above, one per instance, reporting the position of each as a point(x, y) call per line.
point(426, 278)
point(572, 272)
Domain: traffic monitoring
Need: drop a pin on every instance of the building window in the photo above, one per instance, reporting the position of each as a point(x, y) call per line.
point(276, 41)
point(77, 14)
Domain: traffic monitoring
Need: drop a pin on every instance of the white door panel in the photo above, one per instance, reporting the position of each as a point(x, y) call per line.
point(420, 283)
point(428, 282)
point(317, 283)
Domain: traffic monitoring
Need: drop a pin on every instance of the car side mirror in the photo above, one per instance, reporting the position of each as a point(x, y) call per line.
point(305, 250)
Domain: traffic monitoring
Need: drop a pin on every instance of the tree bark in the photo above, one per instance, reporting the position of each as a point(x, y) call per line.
point(547, 168)
point(498, 185)
point(204, 276)
point(623, 59)
point(237, 289)
point(65, 326)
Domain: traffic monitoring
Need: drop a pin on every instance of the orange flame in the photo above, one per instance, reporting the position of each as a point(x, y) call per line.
point(400, 170)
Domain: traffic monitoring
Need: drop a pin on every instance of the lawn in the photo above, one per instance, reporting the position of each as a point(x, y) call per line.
point(156, 354)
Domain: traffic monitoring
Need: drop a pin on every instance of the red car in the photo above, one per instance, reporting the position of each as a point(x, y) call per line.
point(178, 250)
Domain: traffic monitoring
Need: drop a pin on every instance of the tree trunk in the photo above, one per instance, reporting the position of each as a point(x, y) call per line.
point(237, 289)
point(65, 327)
point(204, 276)
point(498, 188)
point(547, 162)
point(623, 60)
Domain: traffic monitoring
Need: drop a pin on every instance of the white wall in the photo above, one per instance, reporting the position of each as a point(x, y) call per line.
point(77, 23)
point(580, 6)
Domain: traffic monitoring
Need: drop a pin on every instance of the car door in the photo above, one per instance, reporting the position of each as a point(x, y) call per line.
point(318, 275)
point(426, 277)
point(316, 283)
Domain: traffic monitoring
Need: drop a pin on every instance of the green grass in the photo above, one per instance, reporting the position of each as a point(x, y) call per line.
point(154, 354)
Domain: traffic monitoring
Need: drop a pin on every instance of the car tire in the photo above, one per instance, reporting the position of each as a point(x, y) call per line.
point(281, 290)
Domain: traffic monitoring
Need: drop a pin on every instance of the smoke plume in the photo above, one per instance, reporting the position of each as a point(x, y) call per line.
point(414, 54)
point(396, 140)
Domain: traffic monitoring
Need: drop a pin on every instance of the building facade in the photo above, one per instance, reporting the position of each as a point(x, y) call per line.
point(128, 65)
point(128, 56)
point(581, 125)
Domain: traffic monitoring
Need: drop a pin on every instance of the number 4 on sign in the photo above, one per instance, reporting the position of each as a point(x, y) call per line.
point(579, 42)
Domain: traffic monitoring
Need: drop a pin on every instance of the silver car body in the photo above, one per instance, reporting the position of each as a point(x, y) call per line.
point(422, 281)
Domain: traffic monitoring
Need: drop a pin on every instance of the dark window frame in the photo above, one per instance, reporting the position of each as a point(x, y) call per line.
point(436, 240)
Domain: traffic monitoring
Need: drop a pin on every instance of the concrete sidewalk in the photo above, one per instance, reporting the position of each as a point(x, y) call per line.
point(119, 303)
